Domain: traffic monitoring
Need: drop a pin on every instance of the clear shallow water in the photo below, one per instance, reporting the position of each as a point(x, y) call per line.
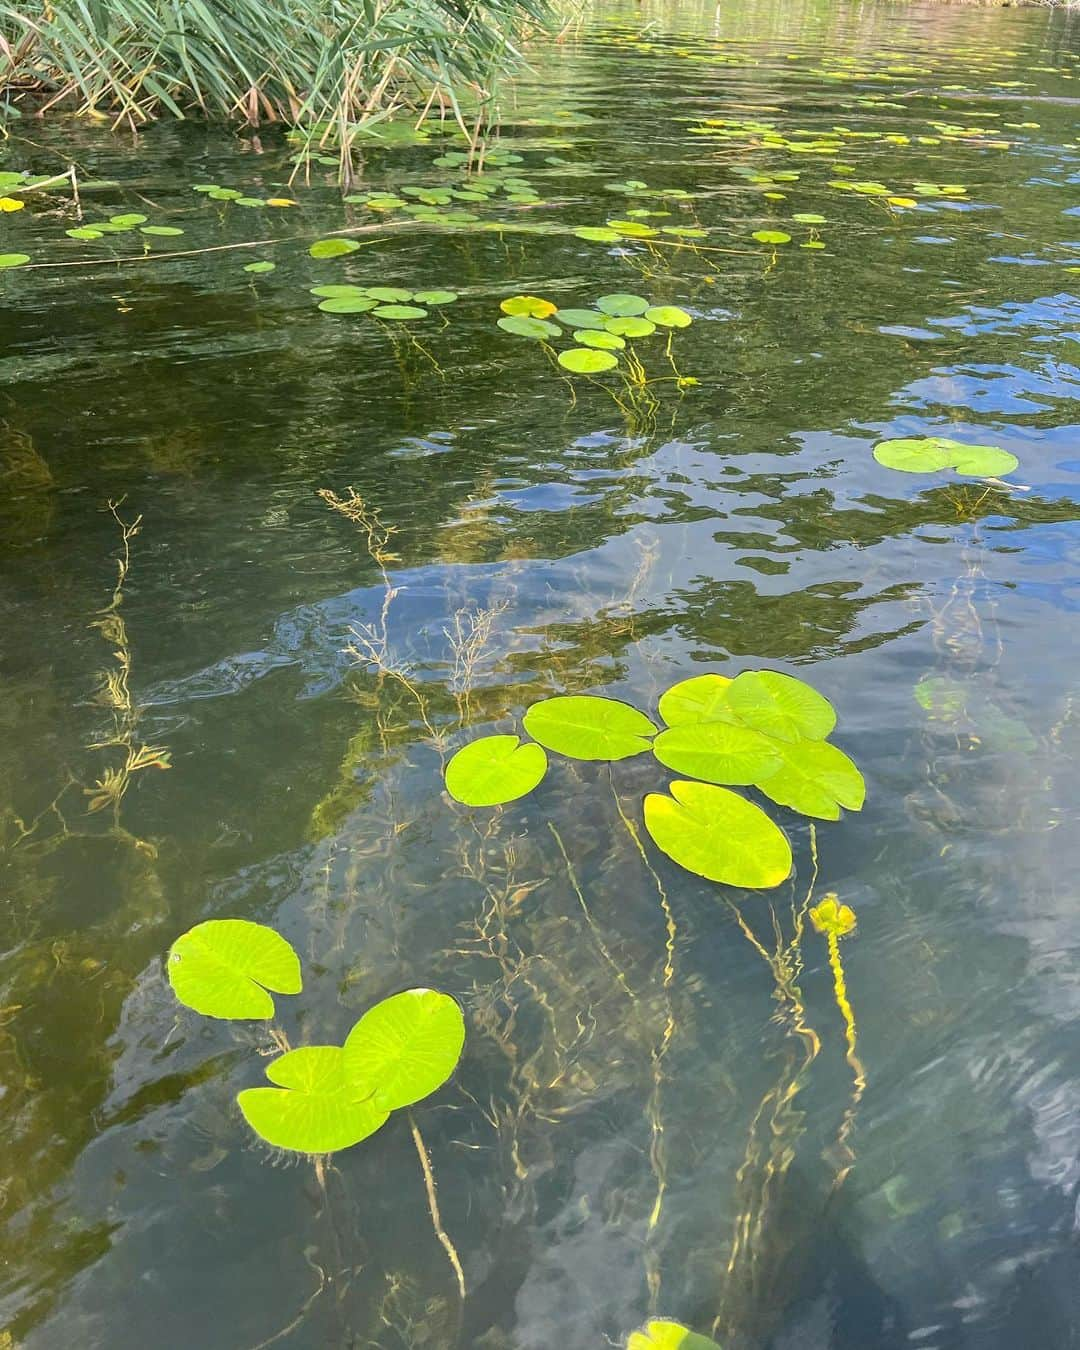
point(744, 523)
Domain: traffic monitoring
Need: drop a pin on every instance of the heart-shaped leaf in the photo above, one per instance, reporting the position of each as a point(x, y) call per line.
point(781, 706)
point(718, 752)
point(668, 316)
point(702, 698)
point(584, 726)
point(719, 835)
point(224, 967)
point(405, 1047)
point(587, 361)
point(315, 1107)
point(521, 326)
point(495, 769)
point(333, 248)
point(814, 778)
point(620, 305)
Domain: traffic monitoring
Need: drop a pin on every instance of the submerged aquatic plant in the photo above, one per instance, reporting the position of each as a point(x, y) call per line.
point(762, 729)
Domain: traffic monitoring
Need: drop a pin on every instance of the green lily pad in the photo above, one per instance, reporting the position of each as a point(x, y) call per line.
point(333, 248)
point(633, 229)
point(631, 328)
point(581, 318)
point(702, 698)
point(435, 297)
point(339, 292)
point(128, 221)
point(224, 968)
point(586, 361)
point(348, 304)
point(718, 752)
point(398, 312)
point(605, 342)
point(522, 326)
point(809, 218)
point(258, 268)
point(717, 834)
point(315, 1107)
point(814, 778)
point(781, 706)
point(622, 306)
point(495, 769)
point(14, 259)
point(405, 1047)
point(598, 234)
point(771, 237)
point(929, 454)
point(585, 726)
point(684, 231)
point(162, 231)
point(668, 316)
point(84, 232)
point(660, 1334)
point(388, 295)
point(527, 307)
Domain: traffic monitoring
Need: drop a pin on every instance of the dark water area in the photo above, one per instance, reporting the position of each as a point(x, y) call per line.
point(637, 1126)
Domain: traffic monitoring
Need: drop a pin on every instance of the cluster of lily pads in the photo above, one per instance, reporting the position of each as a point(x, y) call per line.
point(324, 1097)
point(762, 729)
point(599, 332)
point(124, 223)
point(931, 454)
point(394, 303)
point(223, 194)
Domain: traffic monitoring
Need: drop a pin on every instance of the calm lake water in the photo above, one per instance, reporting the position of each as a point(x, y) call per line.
point(637, 1126)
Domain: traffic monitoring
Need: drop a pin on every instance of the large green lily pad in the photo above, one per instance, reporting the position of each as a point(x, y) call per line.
point(931, 454)
point(781, 706)
point(584, 726)
point(495, 769)
point(814, 778)
point(315, 1107)
point(225, 967)
point(405, 1047)
point(702, 698)
point(718, 752)
point(719, 835)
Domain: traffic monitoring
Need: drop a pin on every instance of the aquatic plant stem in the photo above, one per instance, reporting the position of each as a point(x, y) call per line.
point(857, 1068)
point(433, 1206)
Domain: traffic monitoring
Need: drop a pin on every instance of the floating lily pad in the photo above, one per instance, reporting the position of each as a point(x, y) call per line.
point(398, 313)
point(815, 778)
point(930, 454)
point(809, 218)
point(605, 342)
point(224, 968)
point(581, 318)
point(14, 259)
point(585, 726)
point(621, 305)
point(84, 232)
point(333, 248)
point(586, 361)
point(388, 295)
point(772, 237)
point(128, 221)
point(668, 316)
point(633, 229)
point(162, 231)
point(521, 326)
point(598, 234)
point(527, 306)
point(717, 834)
point(405, 1047)
point(315, 1107)
point(258, 268)
point(435, 297)
point(781, 706)
point(339, 292)
point(631, 328)
point(702, 698)
point(348, 304)
point(495, 769)
point(719, 752)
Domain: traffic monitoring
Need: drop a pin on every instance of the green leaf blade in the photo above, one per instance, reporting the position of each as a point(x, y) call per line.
point(224, 968)
point(584, 726)
point(405, 1048)
point(494, 770)
point(719, 835)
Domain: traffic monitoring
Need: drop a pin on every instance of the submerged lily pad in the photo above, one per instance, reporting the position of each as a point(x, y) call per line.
point(930, 454)
point(717, 834)
point(587, 361)
point(495, 769)
point(521, 326)
point(702, 698)
point(315, 1107)
point(719, 752)
point(585, 726)
point(814, 778)
point(772, 237)
point(405, 1047)
point(660, 1334)
point(781, 706)
point(224, 968)
point(399, 312)
point(621, 305)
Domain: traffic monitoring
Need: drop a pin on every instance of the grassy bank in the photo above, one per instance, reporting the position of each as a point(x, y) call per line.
point(308, 63)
